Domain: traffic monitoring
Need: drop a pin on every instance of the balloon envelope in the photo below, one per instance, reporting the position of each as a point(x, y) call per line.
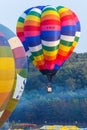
point(49, 34)
point(20, 71)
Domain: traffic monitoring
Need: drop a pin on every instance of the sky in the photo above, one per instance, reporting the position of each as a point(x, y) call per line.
point(10, 10)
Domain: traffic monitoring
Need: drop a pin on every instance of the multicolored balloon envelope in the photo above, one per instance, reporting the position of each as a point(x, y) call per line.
point(13, 72)
point(49, 34)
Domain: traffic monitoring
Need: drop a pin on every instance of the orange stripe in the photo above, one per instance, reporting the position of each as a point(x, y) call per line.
point(31, 22)
point(5, 115)
point(68, 12)
point(40, 62)
point(49, 58)
point(61, 52)
point(50, 16)
point(4, 97)
point(19, 29)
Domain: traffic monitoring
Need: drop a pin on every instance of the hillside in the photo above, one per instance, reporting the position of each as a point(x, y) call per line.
point(72, 74)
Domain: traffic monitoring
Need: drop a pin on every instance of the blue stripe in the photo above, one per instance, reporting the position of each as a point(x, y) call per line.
point(25, 44)
point(3, 41)
point(33, 41)
point(50, 35)
point(21, 63)
point(56, 67)
point(6, 31)
point(68, 30)
point(78, 26)
point(28, 10)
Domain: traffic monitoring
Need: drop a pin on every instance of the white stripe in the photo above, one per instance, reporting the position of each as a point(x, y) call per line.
point(67, 38)
point(50, 44)
point(23, 15)
point(54, 7)
point(1, 112)
point(36, 48)
point(14, 42)
point(20, 84)
point(78, 34)
point(36, 10)
point(28, 53)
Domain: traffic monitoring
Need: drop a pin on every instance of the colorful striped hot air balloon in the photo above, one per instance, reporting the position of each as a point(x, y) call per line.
point(13, 72)
point(49, 35)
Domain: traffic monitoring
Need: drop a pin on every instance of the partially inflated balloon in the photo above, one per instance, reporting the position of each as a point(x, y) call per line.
point(7, 71)
point(13, 72)
point(49, 34)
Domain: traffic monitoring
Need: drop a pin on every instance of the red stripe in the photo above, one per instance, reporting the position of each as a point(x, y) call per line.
point(67, 17)
point(19, 34)
point(31, 28)
point(41, 67)
point(50, 22)
point(49, 62)
point(60, 59)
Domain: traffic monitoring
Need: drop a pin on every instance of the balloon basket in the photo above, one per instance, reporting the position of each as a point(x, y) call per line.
point(49, 88)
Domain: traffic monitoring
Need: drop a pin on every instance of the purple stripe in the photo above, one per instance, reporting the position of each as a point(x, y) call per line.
point(21, 63)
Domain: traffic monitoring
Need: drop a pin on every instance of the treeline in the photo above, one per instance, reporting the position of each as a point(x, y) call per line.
point(68, 101)
point(73, 74)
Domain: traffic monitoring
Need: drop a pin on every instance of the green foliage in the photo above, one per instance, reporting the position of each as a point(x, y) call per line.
point(72, 74)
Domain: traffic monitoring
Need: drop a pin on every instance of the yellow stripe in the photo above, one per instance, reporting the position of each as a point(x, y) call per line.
point(74, 43)
point(19, 24)
point(50, 53)
point(34, 62)
point(6, 86)
point(49, 12)
point(6, 75)
point(37, 58)
point(6, 63)
point(34, 18)
point(64, 48)
point(51, 128)
point(63, 10)
point(11, 104)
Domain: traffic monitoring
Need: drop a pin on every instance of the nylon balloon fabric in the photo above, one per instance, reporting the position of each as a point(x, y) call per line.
point(13, 72)
point(49, 35)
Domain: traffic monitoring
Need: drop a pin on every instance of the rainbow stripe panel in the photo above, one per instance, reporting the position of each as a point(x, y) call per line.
point(13, 71)
point(49, 35)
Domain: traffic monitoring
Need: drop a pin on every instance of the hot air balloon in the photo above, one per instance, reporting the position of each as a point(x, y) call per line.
point(49, 35)
point(13, 72)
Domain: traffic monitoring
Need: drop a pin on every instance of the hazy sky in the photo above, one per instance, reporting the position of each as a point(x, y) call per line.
point(10, 10)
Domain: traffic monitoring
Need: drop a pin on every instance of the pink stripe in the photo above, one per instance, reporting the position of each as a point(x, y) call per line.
point(1, 34)
point(19, 52)
point(50, 27)
point(68, 22)
point(32, 33)
point(75, 17)
point(59, 62)
point(49, 67)
point(22, 38)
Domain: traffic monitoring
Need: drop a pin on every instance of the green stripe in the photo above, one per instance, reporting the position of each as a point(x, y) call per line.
point(76, 39)
point(50, 48)
point(22, 72)
point(21, 20)
point(59, 7)
point(31, 58)
point(35, 14)
point(37, 53)
point(48, 9)
point(66, 43)
point(5, 51)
